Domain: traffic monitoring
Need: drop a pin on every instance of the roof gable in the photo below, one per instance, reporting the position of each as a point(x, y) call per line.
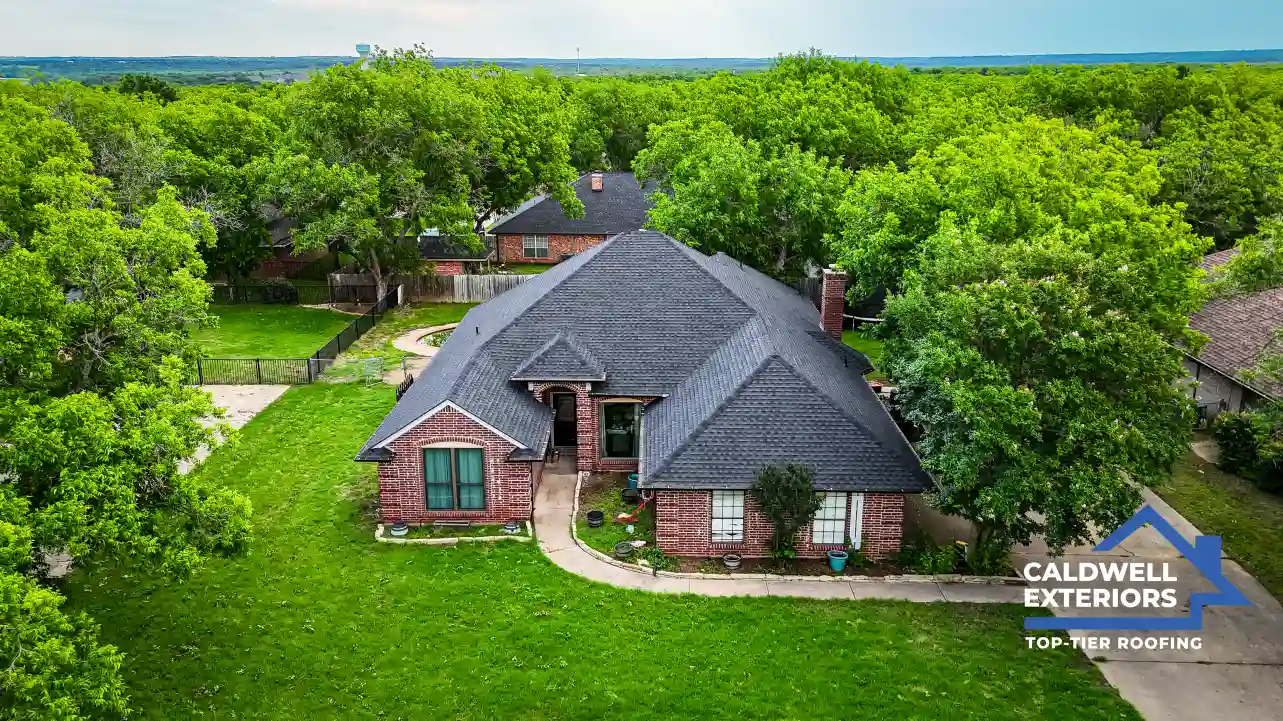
point(562, 358)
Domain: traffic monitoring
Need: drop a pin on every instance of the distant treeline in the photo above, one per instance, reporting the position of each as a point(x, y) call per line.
point(203, 70)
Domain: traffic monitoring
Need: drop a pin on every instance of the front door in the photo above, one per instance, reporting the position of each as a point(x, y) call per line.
point(565, 426)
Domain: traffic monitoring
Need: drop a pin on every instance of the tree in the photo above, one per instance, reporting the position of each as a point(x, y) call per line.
point(786, 494)
point(1039, 294)
point(95, 316)
point(722, 194)
point(141, 84)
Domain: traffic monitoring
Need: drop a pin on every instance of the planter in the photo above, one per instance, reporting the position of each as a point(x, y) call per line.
point(512, 527)
point(630, 496)
point(596, 518)
point(632, 480)
point(400, 529)
point(624, 550)
point(732, 561)
point(837, 561)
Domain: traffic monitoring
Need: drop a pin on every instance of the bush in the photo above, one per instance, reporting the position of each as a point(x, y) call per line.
point(1251, 446)
point(279, 291)
point(786, 494)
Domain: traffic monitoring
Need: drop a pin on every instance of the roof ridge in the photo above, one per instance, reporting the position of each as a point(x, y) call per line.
point(717, 411)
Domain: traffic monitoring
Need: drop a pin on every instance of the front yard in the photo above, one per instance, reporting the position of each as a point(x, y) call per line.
point(268, 331)
point(319, 621)
point(1249, 521)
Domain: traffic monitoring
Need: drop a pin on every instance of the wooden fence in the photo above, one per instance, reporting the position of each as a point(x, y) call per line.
point(442, 288)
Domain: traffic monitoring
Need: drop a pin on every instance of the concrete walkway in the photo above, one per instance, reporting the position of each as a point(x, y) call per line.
point(1238, 673)
point(412, 341)
point(554, 505)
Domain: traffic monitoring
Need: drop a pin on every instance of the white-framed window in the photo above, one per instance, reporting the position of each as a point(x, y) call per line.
point(534, 246)
point(728, 517)
point(829, 526)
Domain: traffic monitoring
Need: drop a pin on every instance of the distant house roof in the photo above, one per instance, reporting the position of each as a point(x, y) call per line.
point(619, 207)
point(743, 373)
point(434, 246)
point(1239, 328)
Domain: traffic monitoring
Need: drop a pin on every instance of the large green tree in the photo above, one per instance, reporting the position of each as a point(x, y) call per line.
point(720, 193)
point(1040, 291)
point(95, 418)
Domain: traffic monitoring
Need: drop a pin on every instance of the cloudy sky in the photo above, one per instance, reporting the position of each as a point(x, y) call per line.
point(636, 28)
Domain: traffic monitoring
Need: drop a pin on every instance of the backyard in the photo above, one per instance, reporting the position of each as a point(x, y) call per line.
point(1249, 521)
point(870, 347)
point(319, 621)
point(268, 331)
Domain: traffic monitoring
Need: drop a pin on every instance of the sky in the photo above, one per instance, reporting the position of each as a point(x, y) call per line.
point(636, 28)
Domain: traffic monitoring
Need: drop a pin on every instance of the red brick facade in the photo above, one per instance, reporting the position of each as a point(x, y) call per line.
point(511, 248)
point(588, 426)
point(683, 527)
point(402, 496)
point(832, 302)
point(448, 267)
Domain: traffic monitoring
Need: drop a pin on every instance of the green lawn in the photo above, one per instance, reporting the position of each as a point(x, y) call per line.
point(268, 331)
point(318, 621)
point(378, 340)
point(870, 347)
point(1249, 521)
point(525, 268)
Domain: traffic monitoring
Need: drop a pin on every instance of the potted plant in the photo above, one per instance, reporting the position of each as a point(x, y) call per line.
point(624, 550)
point(837, 561)
point(732, 561)
point(596, 518)
point(400, 528)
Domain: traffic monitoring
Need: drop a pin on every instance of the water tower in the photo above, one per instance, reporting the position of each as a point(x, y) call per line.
point(363, 49)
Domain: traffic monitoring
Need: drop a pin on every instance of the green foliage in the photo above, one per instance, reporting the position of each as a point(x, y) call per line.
point(926, 557)
point(1040, 287)
point(786, 494)
point(140, 84)
point(1251, 445)
point(279, 291)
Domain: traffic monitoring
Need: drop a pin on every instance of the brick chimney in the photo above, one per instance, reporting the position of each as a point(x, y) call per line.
point(598, 182)
point(832, 301)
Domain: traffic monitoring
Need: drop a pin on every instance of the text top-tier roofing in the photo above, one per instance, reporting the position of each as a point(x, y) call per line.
point(620, 206)
point(743, 372)
point(1239, 328)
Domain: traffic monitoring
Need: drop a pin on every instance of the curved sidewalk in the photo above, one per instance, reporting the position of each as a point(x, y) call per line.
point(553, 515)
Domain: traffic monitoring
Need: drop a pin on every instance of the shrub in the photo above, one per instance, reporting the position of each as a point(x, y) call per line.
point(786, 494)
point(279, 291)
point(1252, 445)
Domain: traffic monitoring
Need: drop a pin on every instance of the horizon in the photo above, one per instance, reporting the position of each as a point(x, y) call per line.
point(661, 29)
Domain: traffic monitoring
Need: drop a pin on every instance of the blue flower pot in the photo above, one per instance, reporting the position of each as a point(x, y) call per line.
point(837, 561)
point(632, 480)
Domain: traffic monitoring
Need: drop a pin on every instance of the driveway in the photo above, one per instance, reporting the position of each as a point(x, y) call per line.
point(1238, 673)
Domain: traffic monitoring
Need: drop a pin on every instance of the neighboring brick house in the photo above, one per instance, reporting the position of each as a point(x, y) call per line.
point(1239, 329)
point(540, 232)
point(450, 255)
point(643, 354)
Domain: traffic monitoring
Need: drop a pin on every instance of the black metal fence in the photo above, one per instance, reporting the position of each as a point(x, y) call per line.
point(294, 294)
point(291, 371)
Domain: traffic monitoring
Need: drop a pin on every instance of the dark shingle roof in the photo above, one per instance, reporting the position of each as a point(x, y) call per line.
point(621, 206)
point(1239, 328)
point(434, 246)
point(561, 359)
point(743, 372)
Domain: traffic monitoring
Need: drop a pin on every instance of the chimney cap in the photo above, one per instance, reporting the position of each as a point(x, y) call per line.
point(833, 271)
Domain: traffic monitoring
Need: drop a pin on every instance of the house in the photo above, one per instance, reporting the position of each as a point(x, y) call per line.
point(452, 256)
point(1239, 329)
point(642, 354)
point(540, 232)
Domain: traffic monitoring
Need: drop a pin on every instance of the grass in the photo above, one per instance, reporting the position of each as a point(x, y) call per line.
point(268, 331)
point(474, 531)
point(378, 340)
point(525, 268)
point(319, 621)
point(605, 497)
point(1249, 521)
point(870, 347)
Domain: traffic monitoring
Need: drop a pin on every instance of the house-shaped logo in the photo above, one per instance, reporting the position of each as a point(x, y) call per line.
point(1204, 554)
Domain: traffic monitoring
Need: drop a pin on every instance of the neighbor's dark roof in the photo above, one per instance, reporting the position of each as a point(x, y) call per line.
point(744, 374)
point(621, 206)
point(434, 246)
point(1239, 327)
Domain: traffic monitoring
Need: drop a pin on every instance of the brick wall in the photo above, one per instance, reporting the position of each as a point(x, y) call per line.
point(832, 302)
point(588, 426)
point(448, 267)
point(683, 527)
point(509, 486)
point(511, 248)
